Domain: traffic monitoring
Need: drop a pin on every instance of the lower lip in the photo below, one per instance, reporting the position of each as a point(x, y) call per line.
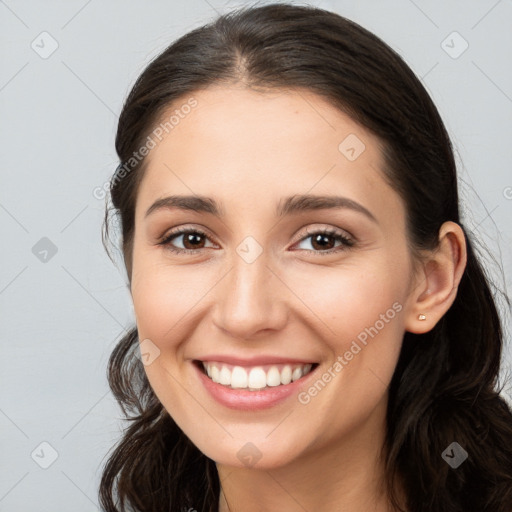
point(243, 399)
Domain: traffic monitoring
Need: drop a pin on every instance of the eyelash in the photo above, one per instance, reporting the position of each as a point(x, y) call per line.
point(347, 243)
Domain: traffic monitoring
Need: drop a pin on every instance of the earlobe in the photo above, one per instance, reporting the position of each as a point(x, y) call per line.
point(438, 280)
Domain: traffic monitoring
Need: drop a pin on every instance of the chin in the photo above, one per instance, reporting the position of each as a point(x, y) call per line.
point(260, 455)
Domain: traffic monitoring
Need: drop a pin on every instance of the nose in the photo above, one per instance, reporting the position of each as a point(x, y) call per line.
point(251, 299)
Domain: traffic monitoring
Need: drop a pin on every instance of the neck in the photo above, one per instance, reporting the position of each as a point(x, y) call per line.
point(343, 474)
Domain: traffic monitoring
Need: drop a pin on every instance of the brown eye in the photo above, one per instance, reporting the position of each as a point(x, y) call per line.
point(324, 241)
point(192, 240)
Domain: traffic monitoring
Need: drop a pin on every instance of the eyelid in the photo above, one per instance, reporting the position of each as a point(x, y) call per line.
point(182, 230)
point(332, 230)
point(348, 240)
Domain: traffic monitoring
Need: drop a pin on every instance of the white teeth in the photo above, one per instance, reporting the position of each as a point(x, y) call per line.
point(296, 374)
point(238, 377)
point(286, 374)
point(225, 376)
point(255, 378)
point(273, 377)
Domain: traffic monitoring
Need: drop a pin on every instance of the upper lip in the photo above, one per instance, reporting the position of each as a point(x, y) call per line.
point(253, 361)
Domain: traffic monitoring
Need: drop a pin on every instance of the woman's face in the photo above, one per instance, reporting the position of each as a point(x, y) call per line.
point(255, 290)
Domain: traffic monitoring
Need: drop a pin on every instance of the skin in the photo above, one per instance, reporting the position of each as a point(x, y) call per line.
point(249, 150)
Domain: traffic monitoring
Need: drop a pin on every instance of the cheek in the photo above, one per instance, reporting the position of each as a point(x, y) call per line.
point(164, 298)
point(341, 303)
point(359, 316)
point(345, 301)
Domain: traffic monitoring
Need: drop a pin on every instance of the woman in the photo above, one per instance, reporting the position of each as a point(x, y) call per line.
point(314, 330)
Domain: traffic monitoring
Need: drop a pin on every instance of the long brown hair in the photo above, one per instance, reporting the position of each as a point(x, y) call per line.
point(444, 388)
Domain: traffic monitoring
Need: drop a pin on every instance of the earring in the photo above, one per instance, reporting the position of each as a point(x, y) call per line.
point(422, 317)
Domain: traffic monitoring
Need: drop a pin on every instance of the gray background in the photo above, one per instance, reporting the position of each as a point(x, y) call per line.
point(62, 313)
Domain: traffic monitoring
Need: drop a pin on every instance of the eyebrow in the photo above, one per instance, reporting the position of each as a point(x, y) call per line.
point(291, 205)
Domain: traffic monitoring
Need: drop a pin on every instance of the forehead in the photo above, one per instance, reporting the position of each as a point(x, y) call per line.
point(250, 147)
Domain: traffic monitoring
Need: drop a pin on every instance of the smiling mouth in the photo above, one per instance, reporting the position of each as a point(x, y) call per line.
point(254, 378)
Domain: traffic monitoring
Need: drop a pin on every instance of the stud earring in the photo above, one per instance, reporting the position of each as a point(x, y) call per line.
point(422, 317)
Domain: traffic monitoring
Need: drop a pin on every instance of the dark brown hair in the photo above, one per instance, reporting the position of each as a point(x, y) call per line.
point(444, 388)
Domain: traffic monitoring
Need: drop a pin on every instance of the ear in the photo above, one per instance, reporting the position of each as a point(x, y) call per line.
point(437, 280)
